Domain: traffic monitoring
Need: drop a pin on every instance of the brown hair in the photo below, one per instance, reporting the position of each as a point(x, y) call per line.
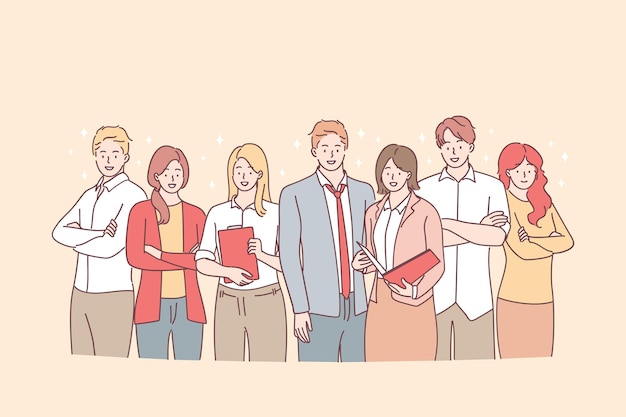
point(404, 158)
point(327, 127)
point(115, 133)
point(460, 126)
point(160, 160)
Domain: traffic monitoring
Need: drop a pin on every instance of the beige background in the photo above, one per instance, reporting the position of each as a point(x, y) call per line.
point(188, 73)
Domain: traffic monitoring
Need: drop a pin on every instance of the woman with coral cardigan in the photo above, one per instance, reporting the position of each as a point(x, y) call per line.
point(163, 236)
point(525, 308)
point(401, 323)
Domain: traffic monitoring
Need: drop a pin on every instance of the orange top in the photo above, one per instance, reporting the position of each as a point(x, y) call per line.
point(528, 271)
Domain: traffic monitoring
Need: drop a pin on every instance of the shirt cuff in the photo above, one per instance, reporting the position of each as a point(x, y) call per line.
point(205, 254)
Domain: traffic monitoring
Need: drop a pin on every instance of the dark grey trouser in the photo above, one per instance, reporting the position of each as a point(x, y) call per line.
point(332, 336)
point(153, 338)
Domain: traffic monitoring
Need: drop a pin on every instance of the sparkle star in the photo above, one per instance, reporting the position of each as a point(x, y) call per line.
point(219, 140)
point(561, 183)
point(203, 158)
point(361, 133)
point(551, 144)
point(149, 140)
point(297, 144)
point(138, 162)
point(486, 158)
point(84, 175)
point(71, 151)
point(212, 185)
point(282, 172)
point(491, 131)
point(565, 157)
point(84, 133)
point(428, 161)
point(422, 138)
point(358, 162)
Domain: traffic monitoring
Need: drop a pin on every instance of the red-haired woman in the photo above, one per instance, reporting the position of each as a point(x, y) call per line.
point(525, 309)
point(163, 236)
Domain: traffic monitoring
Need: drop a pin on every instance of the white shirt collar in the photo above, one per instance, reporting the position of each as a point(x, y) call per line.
point(400, 207)
point(113, 182)
point(468, 176)
point(233, 204)
point(323, 180)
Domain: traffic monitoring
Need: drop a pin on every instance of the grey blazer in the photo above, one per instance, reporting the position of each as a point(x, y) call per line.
point(304, 222)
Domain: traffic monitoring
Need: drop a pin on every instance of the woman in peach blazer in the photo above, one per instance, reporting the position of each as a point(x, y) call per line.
point(401, 324)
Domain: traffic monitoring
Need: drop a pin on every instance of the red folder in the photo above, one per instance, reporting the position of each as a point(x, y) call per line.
point(234, 250)
point(412, 269)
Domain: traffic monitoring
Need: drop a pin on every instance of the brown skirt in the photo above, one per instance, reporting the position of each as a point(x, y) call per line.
point(524, 330)
point(399, 332)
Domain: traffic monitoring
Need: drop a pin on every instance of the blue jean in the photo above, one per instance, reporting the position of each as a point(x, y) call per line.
point(153, 338)
point(332, 336)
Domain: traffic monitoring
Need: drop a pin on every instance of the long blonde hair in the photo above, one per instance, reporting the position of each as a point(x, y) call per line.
point(257, 160)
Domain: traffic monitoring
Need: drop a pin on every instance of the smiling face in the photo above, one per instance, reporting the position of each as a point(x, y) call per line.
point(110, 158)
point(523, 176)
point(244, 176)
point(172, 177)
point(393, 177)
point(455, 151)
point(330, 152)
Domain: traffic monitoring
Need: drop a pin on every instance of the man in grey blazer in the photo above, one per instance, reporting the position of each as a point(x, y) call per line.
point(321, 221)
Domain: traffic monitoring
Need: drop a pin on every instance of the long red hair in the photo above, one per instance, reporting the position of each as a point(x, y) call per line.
point(511, 157)
point(160, 160)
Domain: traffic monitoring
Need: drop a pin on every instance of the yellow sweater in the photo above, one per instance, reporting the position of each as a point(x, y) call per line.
point(528, 272)
point(171, 233)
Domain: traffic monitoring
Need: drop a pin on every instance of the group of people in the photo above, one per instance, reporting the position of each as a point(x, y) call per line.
point(315, 237)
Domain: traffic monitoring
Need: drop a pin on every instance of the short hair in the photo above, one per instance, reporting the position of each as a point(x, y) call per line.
point(404, 158)
point(115, 133)
point(327, 127)
point(460, 126)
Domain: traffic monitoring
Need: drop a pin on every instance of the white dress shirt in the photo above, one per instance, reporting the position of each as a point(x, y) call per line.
point(331, 203)
point(225, 215)
point(102, 265)
point(466, 279)
point(386, 231)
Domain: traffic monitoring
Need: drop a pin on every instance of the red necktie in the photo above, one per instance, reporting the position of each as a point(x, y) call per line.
point(343, 244)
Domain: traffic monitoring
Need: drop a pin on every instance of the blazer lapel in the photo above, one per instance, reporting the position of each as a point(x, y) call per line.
point(413, 200)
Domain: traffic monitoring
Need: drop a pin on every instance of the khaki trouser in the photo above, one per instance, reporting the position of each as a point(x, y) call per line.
point(101, 323)
point(257, 314)
point(473, 339)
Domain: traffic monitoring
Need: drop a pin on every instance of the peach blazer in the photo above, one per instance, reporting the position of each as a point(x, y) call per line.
point(420, 229)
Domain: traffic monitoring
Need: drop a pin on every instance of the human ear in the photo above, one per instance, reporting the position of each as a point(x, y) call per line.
point(508, 173)
point(260, 174)
point(156, 177)
point(314, 152)
point(408, 175)
point(471, 147)
point(126, 157)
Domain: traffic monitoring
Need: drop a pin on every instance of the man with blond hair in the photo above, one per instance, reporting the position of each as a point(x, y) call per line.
point(321, 219)
point(101, 310)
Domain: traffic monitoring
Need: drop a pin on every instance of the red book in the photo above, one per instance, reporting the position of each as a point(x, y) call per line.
point(412, 269)
point(234, 250)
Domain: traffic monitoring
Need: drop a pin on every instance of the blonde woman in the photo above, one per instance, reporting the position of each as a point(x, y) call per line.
point(246, 308)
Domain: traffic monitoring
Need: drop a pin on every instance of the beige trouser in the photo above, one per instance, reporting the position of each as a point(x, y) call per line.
point(101, 323)
point(258, 314)
point(473, 339)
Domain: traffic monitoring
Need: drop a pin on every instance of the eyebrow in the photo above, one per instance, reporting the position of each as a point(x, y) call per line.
point(116, 151)
point(324, 146)
point(177, 169)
